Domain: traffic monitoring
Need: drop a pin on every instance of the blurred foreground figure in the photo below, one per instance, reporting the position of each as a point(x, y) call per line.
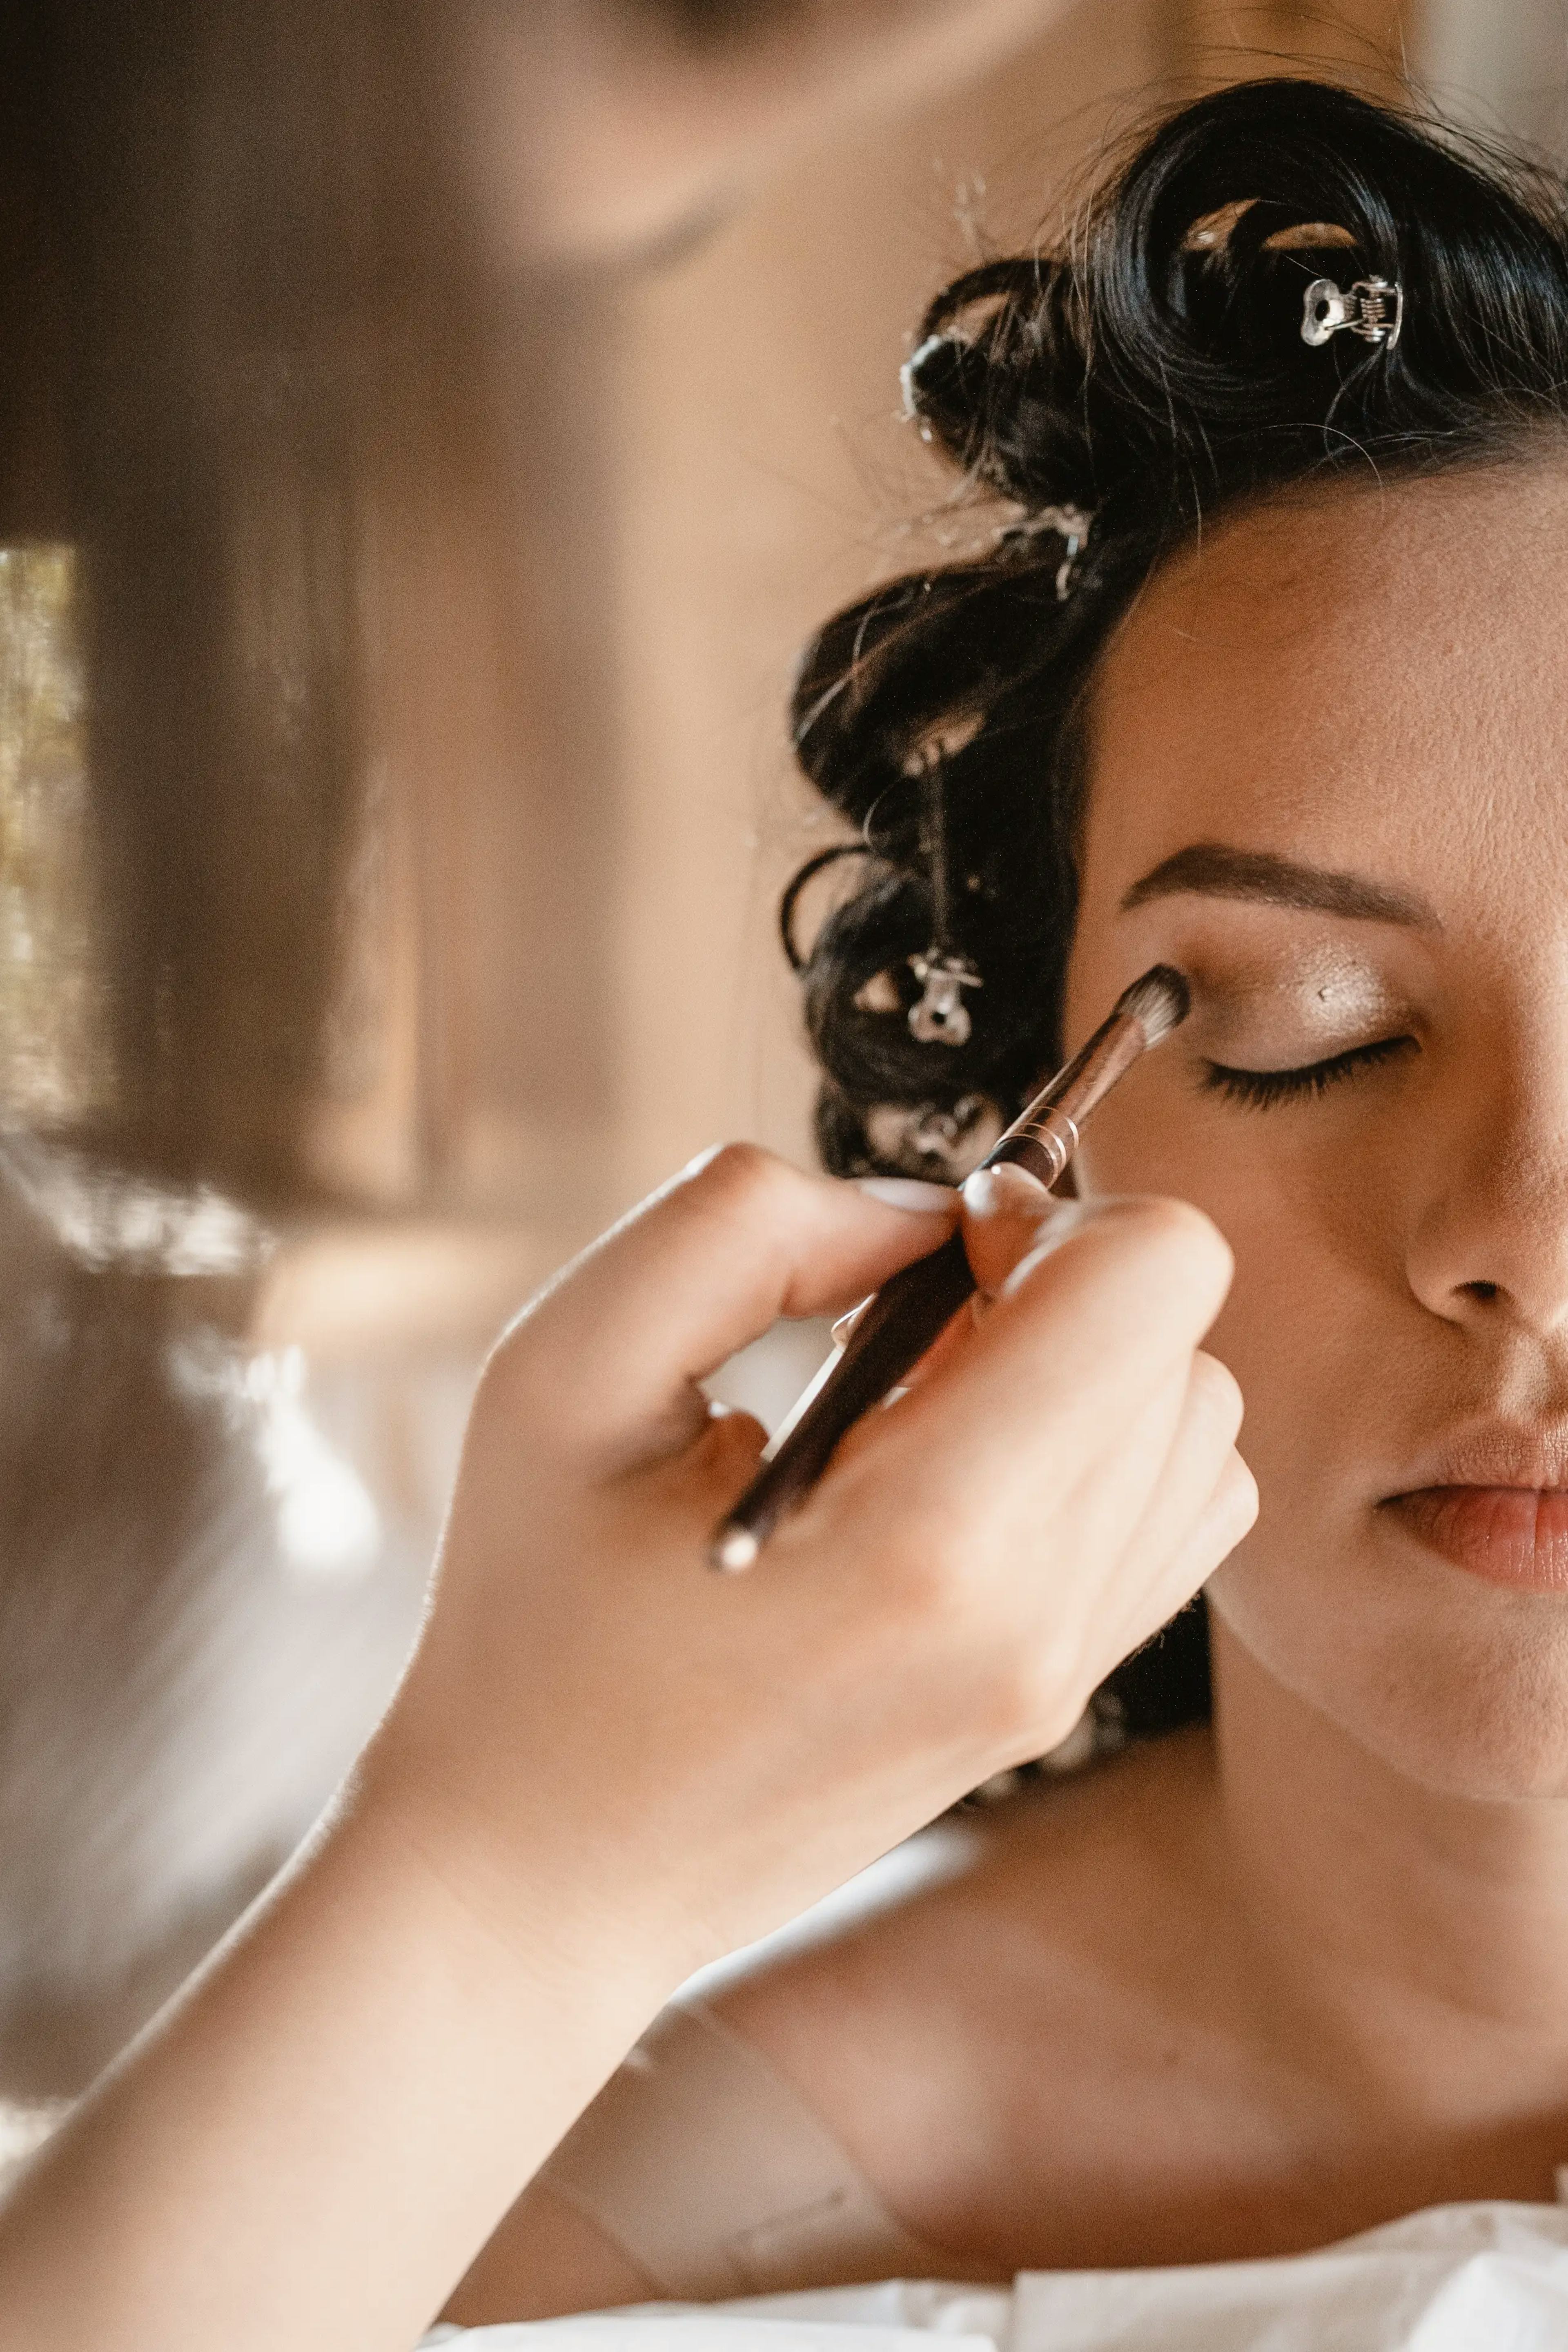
point(290, 295)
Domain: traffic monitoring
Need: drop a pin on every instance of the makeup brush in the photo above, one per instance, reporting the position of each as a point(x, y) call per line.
point(893, 1329)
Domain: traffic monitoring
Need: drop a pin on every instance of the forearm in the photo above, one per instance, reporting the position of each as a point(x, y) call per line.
point(312, 2144)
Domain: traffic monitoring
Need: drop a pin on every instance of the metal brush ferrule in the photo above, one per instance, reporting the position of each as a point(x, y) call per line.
point(1046, 1136)
point(1043, 1145)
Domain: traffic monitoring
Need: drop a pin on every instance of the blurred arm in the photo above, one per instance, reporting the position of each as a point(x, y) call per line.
point(606, 129)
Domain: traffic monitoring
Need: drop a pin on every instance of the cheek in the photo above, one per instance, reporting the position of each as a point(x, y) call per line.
point(1280, 1204)
point(1319, 1297)
point(1343, 1372)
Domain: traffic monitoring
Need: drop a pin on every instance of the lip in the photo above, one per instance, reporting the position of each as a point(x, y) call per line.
point(1495, 1453)
point(1493, 1500)
point(1509, 1535)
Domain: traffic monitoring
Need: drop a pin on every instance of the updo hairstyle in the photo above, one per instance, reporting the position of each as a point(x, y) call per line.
point(1151, 376)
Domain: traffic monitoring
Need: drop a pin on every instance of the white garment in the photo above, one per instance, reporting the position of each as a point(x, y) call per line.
point(1457, 2278)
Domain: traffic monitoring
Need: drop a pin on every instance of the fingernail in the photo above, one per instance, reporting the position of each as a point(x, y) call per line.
point(842, 1330)
point(1005, 1191)
point(908, 1192)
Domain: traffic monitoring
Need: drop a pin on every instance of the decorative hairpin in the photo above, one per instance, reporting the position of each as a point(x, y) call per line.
point(929, 1138)
point(909, 377)
point(1070, 524)
point(939, 1016)
point(1374, 309)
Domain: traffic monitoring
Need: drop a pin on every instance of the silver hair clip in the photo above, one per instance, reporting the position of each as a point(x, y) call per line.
point(1374, 309)
point(941, 1017)
point(1070, 524)
point(931, 1141)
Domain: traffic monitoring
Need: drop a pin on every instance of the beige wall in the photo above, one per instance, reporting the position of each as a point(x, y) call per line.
point(572, 970)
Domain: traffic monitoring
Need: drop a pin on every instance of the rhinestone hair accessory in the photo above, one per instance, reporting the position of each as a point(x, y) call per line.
point(1071, 526)
point(1374, 309)
point(939, 1016)
point(934, 1139)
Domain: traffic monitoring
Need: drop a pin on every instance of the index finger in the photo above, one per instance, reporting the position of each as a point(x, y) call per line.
point(1004, 1210)
point(1092, 1321)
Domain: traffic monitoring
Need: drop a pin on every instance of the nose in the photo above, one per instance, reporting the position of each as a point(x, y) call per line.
point(1488, 1243)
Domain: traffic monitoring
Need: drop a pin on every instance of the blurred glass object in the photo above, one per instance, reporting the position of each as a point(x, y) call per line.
point(108, 1220)
point(328, 1524)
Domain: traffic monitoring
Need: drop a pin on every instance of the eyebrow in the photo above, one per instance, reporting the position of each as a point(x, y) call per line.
point(1218, 871)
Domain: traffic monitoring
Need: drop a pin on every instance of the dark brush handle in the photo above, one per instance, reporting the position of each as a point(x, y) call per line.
point(908, 1313)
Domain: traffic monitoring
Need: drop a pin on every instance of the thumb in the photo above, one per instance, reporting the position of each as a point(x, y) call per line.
point(611, 1351)
point(1006, 1211)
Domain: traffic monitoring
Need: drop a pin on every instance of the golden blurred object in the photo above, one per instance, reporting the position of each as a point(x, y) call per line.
point(55, 1069)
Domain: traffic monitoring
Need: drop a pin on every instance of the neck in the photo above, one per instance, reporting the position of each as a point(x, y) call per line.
point(1420, 1939)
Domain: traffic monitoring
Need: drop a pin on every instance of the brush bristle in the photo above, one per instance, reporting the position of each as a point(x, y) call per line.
point(1158, 1003)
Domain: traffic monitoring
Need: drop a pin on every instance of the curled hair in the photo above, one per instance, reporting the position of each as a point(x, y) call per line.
point(1154, 375)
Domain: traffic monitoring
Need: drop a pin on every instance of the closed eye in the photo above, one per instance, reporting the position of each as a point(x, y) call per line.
point(1260, 1089)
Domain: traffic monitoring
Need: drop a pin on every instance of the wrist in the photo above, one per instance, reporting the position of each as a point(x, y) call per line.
point(368, 2073)
point(548, 1907)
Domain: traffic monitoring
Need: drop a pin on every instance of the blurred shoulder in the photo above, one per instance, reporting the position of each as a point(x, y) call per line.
point(939, 2022)
point(1062, 1865)
point(1042, 1951)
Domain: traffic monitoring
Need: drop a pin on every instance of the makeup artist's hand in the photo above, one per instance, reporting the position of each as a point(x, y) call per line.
point(716, 1752)
point(607, 1763)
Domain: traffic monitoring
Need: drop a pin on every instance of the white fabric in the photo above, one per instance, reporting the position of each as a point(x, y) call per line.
point(1454, 2279)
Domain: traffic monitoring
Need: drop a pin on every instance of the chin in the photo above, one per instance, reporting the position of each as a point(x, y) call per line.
point(1454, 1683)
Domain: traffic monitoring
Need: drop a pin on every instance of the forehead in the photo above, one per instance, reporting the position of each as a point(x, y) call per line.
point(1374, 677)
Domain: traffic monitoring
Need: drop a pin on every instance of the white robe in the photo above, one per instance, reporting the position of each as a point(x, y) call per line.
point(1457, 2278)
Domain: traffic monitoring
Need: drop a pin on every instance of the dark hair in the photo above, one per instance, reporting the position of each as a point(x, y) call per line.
point(1152, 375)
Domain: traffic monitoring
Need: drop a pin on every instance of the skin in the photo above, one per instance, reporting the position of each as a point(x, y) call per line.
point(1251, 1989)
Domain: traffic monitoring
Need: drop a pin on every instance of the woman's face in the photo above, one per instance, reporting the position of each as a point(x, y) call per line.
point(1330, 782)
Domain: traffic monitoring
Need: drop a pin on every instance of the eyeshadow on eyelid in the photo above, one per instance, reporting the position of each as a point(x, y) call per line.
point(1298, 1014)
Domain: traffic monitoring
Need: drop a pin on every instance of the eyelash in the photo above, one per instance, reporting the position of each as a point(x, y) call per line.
point(1261, 1089)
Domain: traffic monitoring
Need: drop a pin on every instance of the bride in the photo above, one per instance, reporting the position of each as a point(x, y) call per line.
point(1262, 675)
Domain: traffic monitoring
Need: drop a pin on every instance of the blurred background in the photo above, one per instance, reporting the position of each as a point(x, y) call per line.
point(427, 436)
